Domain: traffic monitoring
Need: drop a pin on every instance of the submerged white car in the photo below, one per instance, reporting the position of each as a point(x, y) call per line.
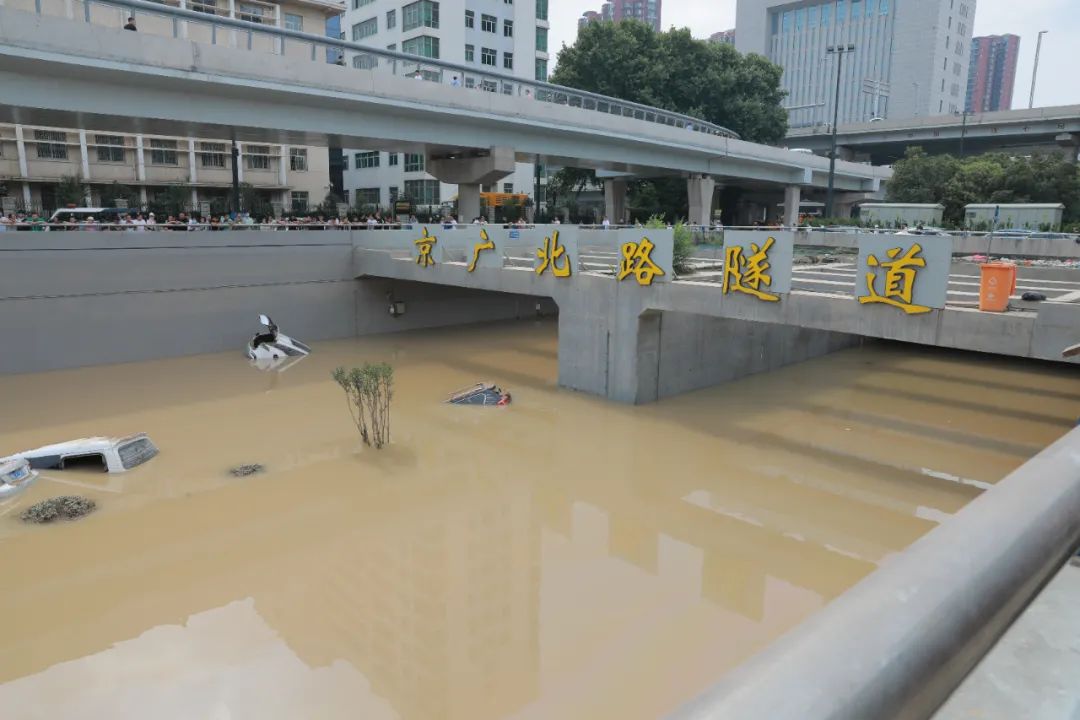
point(15, 476)
point(271, 344)
point(112, 455)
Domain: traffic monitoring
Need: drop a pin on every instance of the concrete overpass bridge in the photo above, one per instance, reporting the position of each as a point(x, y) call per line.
point(1049, 129)
point(216, 77)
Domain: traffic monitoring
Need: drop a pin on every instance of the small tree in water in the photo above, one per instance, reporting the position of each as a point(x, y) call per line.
point(368, 391)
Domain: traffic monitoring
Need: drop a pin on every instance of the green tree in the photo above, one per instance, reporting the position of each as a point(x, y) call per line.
point(989, 178)
point(674, 71)
point(172, 200)
point(70, 191)
point(115, 191)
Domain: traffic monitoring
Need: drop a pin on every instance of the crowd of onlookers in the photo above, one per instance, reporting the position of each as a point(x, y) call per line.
point(143, 222)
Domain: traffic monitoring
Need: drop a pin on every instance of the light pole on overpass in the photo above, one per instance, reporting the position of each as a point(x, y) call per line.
point(838, 51)
point(963, 130)
point(1035, 70)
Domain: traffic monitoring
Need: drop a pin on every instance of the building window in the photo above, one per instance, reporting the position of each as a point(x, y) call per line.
point(204, 6)
point(841, 12)
point(251, 13)
point(424, 13)
point(800, 18)
point(508, 187)
point(423, 45)
point(884, 7)
point(508, 28)
point(391, 19)
point(110, 148)
point(368, 196)
point(488, 23)
point(294, 22)
point(785, 23)
point(258, 157)
point(487, 57)
point(541, 69)
point(414, 163)
point(212, 155)
point(470, 82)
point(508, 60)
point(364, 160)
point(392, 159)
point(470, 19)
point(470, 53)
point(365, 29)
point(356, 4)
point(489, 85)
point(299, 201)
point(812, 17)
point(393, 193)
point(298, 159)
point(826, 15)
point(54, 150)
point(508, 2)
point(163, 152)
point(541, 9)
point(541, 39)
point(856, 10)
point(423, 192)
point(364, 61)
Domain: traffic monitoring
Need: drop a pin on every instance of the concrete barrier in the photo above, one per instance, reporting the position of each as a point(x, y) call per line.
point(898, 643)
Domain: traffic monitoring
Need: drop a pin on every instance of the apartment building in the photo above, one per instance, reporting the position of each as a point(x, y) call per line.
point(505, 36)
point(34, 160)
point(993, 72)
point(909, 57)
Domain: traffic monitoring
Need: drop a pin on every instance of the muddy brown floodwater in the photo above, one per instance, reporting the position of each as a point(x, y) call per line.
point(562, 558)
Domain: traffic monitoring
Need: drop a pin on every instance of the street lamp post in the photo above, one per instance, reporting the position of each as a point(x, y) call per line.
point(963, 131)
point(838, 51)
point(1035, 70)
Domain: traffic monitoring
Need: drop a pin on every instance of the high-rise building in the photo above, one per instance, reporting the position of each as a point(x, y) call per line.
point(138, 169)
point(724, 37)
point(910, 57)
point(647, 11)
point(993, 72)
point(505, 37)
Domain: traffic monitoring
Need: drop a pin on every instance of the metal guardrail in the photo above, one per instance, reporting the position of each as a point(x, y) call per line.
point(404, 64)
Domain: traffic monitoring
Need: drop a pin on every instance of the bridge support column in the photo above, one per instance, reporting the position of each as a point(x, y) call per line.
point(615, 201)
point(468, 202)
point(792, 198)
point(469, 171)
point(701, 190)
point(1070, 142)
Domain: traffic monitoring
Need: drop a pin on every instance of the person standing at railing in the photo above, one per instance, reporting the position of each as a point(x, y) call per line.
point(131, 25)
point(606, 223)
point(455, 82)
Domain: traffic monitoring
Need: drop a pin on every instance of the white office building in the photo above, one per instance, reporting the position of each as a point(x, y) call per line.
point(508, 36)
point(910, 57)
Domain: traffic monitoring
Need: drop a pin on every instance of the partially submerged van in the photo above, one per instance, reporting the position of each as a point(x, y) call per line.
point(15, 476)
point(97, 453)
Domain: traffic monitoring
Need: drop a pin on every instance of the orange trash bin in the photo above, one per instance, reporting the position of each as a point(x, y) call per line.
point(997, 283)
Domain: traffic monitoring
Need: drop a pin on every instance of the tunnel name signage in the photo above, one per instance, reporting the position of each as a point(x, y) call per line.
point(898, 282)
point(424, 247)
point(637, 261)
point(553, 256)
point(758, 265)
point(486, 243)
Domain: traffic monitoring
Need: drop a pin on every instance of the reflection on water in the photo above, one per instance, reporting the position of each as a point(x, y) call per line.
point(564, 557)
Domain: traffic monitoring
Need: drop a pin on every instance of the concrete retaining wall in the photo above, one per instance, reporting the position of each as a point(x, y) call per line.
point(696, 351)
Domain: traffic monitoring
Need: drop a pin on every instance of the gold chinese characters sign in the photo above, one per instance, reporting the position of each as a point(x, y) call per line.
point(758, 264)
point(909, 273)
point(424, 247)
point(637, 261)
point(553, 256)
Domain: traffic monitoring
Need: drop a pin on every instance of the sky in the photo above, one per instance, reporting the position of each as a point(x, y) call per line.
point(1057, 85)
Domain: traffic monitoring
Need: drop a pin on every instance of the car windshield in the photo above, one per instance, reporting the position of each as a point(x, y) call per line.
point(137, 452)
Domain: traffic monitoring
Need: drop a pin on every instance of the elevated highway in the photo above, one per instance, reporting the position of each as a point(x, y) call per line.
point(63, 72)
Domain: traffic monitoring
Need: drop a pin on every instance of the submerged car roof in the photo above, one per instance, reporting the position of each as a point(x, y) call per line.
point(82, 445)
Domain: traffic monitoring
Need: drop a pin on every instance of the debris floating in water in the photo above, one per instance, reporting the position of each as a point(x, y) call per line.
point(66, 507)
point(245, 470)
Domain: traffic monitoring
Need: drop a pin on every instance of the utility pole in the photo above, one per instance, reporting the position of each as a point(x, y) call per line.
point(838, 51)
point(963, 131)
point(1035, 70)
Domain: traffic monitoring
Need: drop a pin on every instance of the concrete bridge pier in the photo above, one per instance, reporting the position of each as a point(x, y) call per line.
point(611, 344)
point(615, 201)
point(792, 198)
point(701, 189)
point(470, 170)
